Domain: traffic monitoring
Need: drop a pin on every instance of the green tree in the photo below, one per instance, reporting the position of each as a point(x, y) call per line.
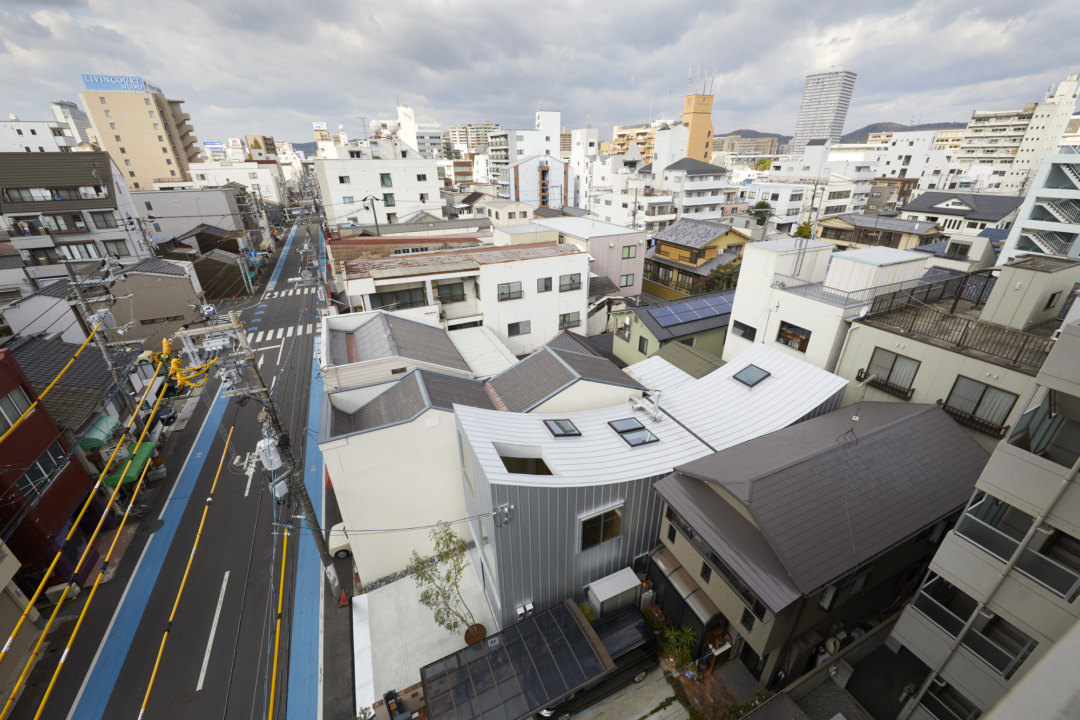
point(803, 231)
point(762, 210)
point(722, 277)
point(255, 144)
point(763, 164)
point(440, 579)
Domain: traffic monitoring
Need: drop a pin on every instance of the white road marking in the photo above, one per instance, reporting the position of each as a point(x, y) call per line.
point(280, 349)
point(279, 332)
point(213, 630)
point(249, 336)
point(261, 358)
point(273, 383)
point(268, 347)
point(309, 329)
point(288, 332)
point(258, 339)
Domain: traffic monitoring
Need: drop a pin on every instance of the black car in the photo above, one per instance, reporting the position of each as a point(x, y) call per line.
point(632, 646)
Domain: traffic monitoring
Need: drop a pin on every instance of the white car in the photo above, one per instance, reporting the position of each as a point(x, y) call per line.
point(339, 542)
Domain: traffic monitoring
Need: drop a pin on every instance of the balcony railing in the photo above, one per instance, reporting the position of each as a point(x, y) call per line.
point(516, 295)
point(1040, 568)
point(880, 383)
point(997, 657)
point(941, 711)
point(668, 282)
point(927, 292)
point(973, 422)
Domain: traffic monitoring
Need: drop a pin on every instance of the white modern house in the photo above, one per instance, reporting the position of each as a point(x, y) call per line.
point(426, 138)
point(838, 186)
point(908, 155)
point(799, 297)
point(509, 146)
point(562, 500)
point(262, 178)
point(400, 180)
point(524, 294)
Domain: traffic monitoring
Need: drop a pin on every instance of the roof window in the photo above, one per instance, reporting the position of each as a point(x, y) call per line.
point(562, 428)
point(633, 432)
point(751, 375)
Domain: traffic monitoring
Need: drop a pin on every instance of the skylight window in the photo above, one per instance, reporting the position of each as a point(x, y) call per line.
point(562, 428)
point(633, 432)
point(751, 375)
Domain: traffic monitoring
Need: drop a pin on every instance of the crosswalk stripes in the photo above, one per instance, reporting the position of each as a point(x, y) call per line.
point(288, 332)
point(279, 332)
point(254, 338)
point(277, 294)
point(259, 338)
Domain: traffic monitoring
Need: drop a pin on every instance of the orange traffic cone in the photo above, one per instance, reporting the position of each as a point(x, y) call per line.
point(344, 599)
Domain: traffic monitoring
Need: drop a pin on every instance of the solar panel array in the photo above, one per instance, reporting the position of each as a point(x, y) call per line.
point(695, 309)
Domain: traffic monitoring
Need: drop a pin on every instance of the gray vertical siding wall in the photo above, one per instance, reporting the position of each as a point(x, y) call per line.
point(833, 403)
point(538, 550)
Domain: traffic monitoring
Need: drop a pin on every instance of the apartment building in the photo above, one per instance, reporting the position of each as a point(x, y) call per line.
point(790, 201)
point(747, 145)
point(1000, 590)
point(838, 186)
point(176, 210)
point(542, 181)
point(261, 178)
point(425, 138)
point(473, 135)
point(34, 136)
point(914, 155)
point(584, 149)
point(614, 251)
point(973, 344)
point(888, 195)
point(66, 206)
point(1006, 147)
point(525, 294)
point(950, 140)
point(565, 144)
point(1048, 220)
point(71, 115)
point(148, 136)
point(823, 108)
point(509, 146)
point(394, 174)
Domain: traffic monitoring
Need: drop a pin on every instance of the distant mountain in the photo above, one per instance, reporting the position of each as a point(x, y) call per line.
point(755, 134)
point(307, 148)
point(862, 134)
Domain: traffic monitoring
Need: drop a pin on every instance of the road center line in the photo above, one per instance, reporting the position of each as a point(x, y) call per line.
point(213, 630)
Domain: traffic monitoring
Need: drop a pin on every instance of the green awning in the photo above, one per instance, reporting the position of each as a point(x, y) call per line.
point(100, 433)
point(132, 474)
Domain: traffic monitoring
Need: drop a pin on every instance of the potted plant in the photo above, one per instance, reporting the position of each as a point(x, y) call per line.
point(440, 579)
point(675, 645)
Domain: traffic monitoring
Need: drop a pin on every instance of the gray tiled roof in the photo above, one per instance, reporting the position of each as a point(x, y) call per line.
point(387, 335)
point(156, 266)
point(691, 233)
point(694, 167)
point(547, 212)
point(42, 360)
point(548, 371)
point(876, 222)
point(690, 360)
point(990, 208)
point(571, 342)
point(825, 502)
point(646, 168)
point(11, 261)
point(682, 329)
point(413, 394)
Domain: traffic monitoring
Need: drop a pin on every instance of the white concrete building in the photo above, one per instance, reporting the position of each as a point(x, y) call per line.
point(36, 136)
point(508, 146)
point(911, 154)
point(790, 201)
point(386, 169)
point(77, 121)
point(425, 138)
point(177, 211)
point(584, 149)
point(1005, 148)
point(1048, 221)
point(839, 186)
point(823, 109)
point(525, 294)
point(262, 178)
point(539, 180)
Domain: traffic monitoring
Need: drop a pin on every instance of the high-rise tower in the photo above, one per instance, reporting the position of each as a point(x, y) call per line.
point(824, 108)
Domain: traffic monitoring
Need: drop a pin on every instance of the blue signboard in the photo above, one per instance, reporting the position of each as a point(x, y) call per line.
point(114, 82)
point(209, 145)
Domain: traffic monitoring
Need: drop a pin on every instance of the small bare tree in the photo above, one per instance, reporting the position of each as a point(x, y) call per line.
point(440, 578)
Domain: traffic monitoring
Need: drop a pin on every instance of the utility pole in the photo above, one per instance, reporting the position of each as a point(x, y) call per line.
point(371, 200)
point(241, 378)
point(99, 337)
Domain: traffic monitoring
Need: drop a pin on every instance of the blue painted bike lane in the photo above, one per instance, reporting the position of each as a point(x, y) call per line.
point(101, 681)
point(281, 262)
point(304, 647)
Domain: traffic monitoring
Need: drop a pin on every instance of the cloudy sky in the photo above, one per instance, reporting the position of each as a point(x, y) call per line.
point(273, 67)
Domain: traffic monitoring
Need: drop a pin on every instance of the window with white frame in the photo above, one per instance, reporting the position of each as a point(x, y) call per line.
point(600, 528)
point(12, 406)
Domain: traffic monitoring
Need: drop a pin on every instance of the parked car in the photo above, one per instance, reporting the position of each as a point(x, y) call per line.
point(632, 646)
point(339, 542)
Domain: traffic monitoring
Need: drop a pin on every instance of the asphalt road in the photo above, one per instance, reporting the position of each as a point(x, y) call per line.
point(225, 624)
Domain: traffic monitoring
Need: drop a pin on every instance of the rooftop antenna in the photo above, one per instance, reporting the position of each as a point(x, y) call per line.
point(117, 69)
point(690, 80)
point(363, 124)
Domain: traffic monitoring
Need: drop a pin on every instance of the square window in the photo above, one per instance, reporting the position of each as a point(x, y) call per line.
point(1053, 300)
point(562, 428)
point(510, 291)
point(626, 280)
point(639, 437)
point(744, 331)
point(600, 528)
point(747, 620)
point(621, 426)
point(117, 138)
point(388, 200)
point(123, 151)
point(543, 285)
point(148, 205)
point(629, 251)
point(519, 328)
point(793, 336)
point(146, 100)
point(420, 178)
point(152, 113)
point(569, 320)
point(385, 181)
point(108, 113)
point(751, 375)
point(127, 162)
point(706, 572)
point(343, 179)
point(102, 100)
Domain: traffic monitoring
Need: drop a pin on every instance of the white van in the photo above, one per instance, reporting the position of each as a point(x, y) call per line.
point(339, 542)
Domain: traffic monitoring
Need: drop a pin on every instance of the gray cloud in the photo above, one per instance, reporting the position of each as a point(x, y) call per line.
point(274, 66)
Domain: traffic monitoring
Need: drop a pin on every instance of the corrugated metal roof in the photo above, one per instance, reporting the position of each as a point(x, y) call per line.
point(485, 354)
point(572, 342)
point(656, 373)
point(602, 285)
point(826, 499)
point(716, 408)
point(880, 255)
